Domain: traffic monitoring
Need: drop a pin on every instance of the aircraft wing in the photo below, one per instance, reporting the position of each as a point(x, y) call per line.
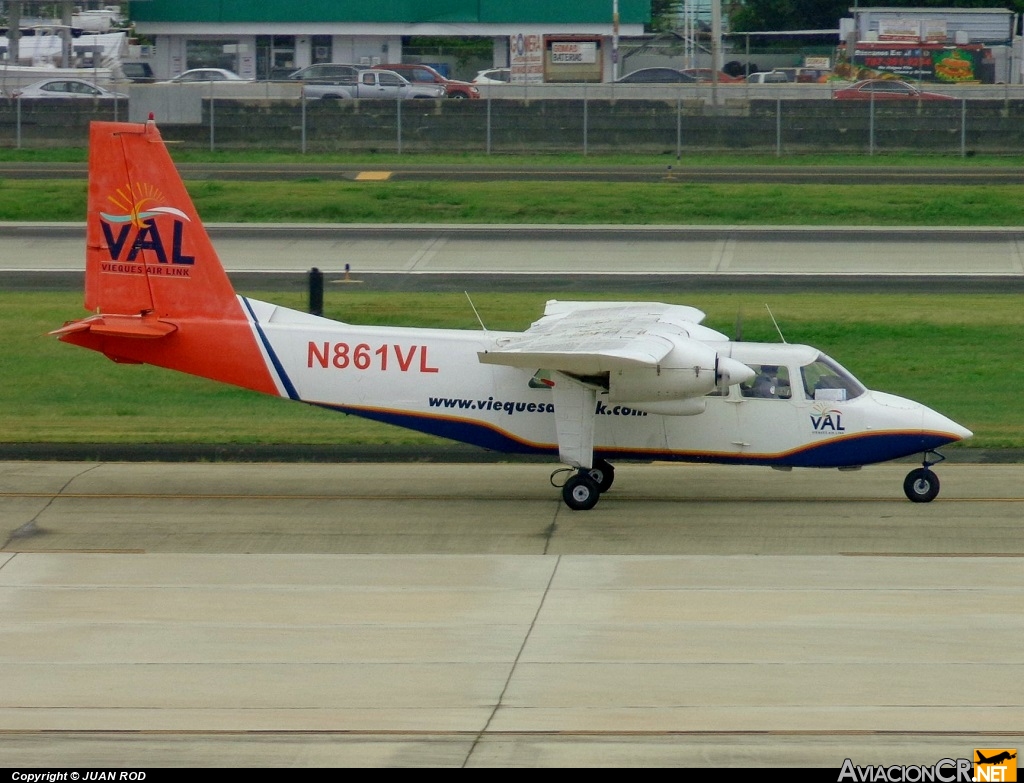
point(589, 338)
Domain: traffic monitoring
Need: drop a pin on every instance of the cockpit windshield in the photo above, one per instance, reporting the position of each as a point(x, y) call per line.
point(824, 379)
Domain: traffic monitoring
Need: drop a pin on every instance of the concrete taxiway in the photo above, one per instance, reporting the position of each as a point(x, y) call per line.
point(558, 250)
point(460, 615)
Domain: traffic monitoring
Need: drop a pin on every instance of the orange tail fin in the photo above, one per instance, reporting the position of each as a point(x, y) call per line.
point(152, 276)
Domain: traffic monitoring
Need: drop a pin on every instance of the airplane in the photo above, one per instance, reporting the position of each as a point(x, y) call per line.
point(589, 382)
point(996, 759)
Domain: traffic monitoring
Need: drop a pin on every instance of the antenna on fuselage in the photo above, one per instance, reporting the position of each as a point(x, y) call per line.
point(777, 329)
point(478, 318)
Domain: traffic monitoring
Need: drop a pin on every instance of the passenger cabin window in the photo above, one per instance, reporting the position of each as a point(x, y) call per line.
point(771, 381)
point(826, 380)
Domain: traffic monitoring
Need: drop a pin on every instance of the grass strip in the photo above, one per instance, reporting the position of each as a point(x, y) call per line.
point(660, 203)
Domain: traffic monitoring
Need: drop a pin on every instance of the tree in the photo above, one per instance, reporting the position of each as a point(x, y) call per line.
point(664, 15)
point(765, 15)
point(755, 15)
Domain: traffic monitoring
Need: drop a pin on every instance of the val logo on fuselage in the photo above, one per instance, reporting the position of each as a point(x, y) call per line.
point(827, 420)
point(136, 229)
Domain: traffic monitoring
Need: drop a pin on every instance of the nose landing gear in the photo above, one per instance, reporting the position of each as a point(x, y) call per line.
point(921, 485)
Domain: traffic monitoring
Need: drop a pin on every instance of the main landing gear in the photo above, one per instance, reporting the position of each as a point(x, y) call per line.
point(583, 488)
point(921, 485)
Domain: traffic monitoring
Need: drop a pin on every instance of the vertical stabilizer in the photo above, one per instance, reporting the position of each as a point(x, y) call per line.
point(158, 292)
point(147, 250)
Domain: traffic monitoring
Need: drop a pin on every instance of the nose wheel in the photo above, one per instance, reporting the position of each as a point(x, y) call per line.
point(922, 485)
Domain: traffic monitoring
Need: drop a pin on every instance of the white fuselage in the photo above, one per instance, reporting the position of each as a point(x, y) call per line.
point(432, 380)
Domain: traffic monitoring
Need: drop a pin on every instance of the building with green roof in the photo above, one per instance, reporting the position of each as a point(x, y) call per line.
point(270, 37)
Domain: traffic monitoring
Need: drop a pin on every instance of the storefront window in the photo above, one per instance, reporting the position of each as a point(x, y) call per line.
point(321, 49)
point(212, 53)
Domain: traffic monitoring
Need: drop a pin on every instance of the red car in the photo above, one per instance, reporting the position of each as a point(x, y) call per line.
point(707, 75)
point(424, 74)
point(887, 90)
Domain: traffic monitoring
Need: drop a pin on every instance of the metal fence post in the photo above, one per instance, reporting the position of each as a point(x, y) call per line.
point(398, 122)
point(488, 122)
point(871, 125)
point(679, 127)
point(17, 125)
point(211, 118)
point(585, 120)
point(778, 126)
point(303, 103)
point(963, 127)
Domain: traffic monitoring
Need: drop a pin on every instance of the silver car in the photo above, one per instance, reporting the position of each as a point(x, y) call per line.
point(65, 88)
point(206, 75)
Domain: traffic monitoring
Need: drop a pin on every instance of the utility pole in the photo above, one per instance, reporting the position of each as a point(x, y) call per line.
point(615, 40)
point(716, 35)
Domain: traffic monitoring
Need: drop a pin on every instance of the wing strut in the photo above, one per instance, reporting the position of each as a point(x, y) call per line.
point(575, 408)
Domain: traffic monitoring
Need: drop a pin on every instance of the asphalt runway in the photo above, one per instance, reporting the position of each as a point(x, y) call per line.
point(671, 171)
point(458, 615)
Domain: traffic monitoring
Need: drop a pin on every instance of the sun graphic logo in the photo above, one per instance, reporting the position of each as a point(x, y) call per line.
point(132, 231)
point(133, 201)
point(995, 764)
point(825, 418)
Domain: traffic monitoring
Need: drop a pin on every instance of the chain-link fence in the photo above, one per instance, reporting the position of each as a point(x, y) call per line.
point(685, 124)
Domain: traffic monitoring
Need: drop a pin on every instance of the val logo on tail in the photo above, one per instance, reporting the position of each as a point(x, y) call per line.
point(588, 383)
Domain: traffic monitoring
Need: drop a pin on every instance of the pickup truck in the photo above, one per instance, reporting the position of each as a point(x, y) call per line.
point(424, 74)
point(374, 84)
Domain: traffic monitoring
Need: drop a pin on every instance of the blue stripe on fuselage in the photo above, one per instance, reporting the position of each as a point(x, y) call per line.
point(278, 367)
point(849, 451)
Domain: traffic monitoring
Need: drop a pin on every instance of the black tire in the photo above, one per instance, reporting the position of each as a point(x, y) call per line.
point(458, 96)
point(580, 492)
point(603, 474)
point(921, 485)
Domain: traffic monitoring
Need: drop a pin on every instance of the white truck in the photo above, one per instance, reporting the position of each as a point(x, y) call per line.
point(373, 84)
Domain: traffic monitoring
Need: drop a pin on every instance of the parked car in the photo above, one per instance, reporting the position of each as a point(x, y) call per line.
point(656, 76)
point(769, 77)
point(807, 75)
point(138, 73)
point(279, 73)
point(327, 73)
point(206, 75)
point(65, 88)
point(373, 83)
point(493, 76)
point(424, 74)
point(886, 90)
point(708, 75)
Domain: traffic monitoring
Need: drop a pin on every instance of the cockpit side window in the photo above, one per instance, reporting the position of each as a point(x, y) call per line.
point(826, 380)
point(770, 381)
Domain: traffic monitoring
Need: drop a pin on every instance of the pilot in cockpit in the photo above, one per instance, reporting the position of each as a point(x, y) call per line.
point(766, 384)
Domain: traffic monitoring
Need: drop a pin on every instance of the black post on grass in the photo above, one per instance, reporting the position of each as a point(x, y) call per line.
point(316, 291)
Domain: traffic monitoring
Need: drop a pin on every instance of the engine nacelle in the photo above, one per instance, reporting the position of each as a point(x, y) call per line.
point(691, 369)
point(691, 406)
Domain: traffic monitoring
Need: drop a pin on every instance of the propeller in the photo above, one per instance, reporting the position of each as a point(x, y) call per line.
point(729, 371)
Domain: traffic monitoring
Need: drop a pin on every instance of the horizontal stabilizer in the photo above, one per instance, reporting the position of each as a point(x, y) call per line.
point(147, 328)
